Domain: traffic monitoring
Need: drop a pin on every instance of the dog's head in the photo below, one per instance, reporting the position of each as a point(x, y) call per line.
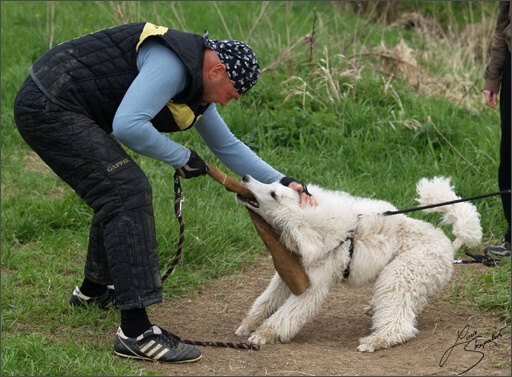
point(274, 202)
point(299, 228)
point(308, 231)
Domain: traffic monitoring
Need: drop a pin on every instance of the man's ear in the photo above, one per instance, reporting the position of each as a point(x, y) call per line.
point(217, 71)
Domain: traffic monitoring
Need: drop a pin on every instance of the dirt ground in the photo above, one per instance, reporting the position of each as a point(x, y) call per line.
point(327, 345)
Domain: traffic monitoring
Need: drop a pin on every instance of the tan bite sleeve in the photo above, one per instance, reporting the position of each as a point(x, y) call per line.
point(286, 263)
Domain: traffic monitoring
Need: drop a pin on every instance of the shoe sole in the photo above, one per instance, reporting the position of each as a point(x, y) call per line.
point(137, 357)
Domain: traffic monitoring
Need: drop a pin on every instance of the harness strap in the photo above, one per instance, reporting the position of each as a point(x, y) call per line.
point(350, 238)
point(346, 273)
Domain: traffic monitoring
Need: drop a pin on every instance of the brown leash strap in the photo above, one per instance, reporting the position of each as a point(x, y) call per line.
point(178, 192)
point(241, 346)
point(178, 198)
point(286, 263)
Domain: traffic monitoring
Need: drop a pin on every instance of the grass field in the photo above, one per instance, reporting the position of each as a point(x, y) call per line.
point(362, 99)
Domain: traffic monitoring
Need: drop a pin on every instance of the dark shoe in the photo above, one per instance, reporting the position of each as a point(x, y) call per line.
point(155, 344)
point(104, 301)
point(502, 249)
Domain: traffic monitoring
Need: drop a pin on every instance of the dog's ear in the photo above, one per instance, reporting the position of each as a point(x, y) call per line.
point(303, 240)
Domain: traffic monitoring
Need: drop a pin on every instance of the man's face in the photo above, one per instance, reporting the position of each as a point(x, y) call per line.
point(218, 88)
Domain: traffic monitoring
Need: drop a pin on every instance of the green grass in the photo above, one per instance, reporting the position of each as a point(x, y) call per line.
point(339, 112)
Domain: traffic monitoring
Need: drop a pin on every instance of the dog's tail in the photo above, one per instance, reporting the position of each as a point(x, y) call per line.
point(463, 216)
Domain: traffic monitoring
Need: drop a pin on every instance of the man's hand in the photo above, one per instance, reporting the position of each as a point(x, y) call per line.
point(305, 197)
point(194, 167)
point(490, 98)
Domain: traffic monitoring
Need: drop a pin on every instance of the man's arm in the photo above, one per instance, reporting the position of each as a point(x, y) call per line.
point(161, 76)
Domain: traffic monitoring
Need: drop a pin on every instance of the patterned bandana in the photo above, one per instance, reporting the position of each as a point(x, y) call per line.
point(239, 59)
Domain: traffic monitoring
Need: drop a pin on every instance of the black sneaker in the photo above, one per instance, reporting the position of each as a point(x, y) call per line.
point(104, 301)
point(155, 344)
point(502, 249)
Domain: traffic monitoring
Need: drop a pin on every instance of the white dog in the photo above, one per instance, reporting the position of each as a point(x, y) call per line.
point(349, 239)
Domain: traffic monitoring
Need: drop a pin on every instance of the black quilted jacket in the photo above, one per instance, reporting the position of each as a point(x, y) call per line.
point(91, 74)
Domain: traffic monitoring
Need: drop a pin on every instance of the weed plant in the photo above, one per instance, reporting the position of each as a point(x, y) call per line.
point(362, 97)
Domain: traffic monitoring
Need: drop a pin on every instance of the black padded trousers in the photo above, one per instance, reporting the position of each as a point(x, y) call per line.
point(122, 246)
point(505, 155)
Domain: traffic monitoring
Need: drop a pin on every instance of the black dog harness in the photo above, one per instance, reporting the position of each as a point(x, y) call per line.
point(350, 238)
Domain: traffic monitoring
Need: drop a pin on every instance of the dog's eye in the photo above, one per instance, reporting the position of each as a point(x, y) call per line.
point(273, 195)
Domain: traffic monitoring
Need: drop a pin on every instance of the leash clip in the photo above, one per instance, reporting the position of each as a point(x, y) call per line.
point(180, 198)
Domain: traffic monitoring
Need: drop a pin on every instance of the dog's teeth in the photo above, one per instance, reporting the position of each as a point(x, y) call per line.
point(253, 203)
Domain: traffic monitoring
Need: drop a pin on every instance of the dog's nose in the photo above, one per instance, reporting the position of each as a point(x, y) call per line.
point(245, 178)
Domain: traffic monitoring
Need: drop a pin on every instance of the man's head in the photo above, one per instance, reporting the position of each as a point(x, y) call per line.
point(242, 67)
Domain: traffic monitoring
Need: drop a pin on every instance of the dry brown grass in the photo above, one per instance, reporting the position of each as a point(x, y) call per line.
point(456, 59)
point(442, 63)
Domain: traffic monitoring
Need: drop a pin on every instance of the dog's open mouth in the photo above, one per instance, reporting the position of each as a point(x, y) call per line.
point(248, 202)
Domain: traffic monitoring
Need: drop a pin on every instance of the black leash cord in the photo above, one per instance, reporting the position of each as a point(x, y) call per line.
point(178, 199)
point(485, 259)
point(389, 213)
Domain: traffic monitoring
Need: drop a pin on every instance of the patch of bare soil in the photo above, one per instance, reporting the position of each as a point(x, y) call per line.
point(327, 345)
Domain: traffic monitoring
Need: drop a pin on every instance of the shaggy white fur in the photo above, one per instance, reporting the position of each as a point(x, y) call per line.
point(408, 259)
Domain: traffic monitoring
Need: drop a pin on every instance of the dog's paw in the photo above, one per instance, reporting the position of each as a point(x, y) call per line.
point(256, 339)
point(366, 348)
point(242, 331)
point(375, 342)
point(367, 344)
point(264, 336)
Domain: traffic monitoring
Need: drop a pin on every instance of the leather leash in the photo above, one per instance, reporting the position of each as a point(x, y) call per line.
point(485, 259)
point(178, 199)
point(389, 213)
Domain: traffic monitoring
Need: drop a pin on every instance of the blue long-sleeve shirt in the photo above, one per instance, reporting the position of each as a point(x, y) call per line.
point(161, 77)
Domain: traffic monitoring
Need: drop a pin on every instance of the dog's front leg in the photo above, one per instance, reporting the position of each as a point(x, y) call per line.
point(289, 319)
point(266, 304)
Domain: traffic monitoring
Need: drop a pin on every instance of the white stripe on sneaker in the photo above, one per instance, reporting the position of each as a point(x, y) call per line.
point(150, 348)
point(77, 292)
point(164, 351)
